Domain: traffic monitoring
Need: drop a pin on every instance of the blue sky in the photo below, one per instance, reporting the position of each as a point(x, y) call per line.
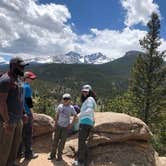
point(87, 14)
point(51, 27)
point(102, 14)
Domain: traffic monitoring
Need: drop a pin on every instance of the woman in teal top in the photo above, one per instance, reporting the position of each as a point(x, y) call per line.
point(86, 120)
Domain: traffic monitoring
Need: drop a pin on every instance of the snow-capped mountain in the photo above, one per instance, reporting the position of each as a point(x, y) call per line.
point(97, 58)
point(68, 58)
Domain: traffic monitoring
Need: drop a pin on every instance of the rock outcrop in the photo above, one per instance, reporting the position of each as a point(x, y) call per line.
point(42, 124)
point(163, 161)
point(118, 140)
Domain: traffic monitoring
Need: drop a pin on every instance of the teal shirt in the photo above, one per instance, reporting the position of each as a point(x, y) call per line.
point(87, 111)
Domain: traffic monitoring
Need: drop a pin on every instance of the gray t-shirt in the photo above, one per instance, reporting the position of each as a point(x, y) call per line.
point(14, 101)
point(64, 114)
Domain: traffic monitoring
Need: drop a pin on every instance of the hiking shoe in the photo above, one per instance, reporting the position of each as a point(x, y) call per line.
point(33, 156)
point(20, 155)
point(59, 159)
point(51, 157)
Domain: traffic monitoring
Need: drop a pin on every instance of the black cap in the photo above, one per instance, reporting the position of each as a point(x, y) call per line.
point(18, 61)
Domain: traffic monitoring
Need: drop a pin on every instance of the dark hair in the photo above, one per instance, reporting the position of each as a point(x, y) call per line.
point(91, 93)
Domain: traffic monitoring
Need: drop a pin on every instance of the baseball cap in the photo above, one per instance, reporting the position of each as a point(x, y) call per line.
point(66, 96)
point(18, 61)
point(86, 88)
point(30, 75)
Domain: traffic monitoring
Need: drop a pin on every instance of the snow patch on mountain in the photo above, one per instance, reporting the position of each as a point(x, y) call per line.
point(68, 58)
point(97, 58)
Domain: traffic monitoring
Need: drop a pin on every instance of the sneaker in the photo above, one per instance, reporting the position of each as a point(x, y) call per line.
point(33, 156)
point(76, 163)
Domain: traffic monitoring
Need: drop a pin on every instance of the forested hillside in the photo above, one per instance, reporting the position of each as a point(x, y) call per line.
point(104, 78)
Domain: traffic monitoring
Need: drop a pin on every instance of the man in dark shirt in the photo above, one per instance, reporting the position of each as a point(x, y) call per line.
point(11, 109)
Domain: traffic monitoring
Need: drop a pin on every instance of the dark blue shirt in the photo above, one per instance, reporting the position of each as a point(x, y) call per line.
point(15, 99)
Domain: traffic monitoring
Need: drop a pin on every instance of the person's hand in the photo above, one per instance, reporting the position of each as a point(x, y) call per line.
point(94, 122)
point(25, 119)
point(8, 127)
point(32, 116)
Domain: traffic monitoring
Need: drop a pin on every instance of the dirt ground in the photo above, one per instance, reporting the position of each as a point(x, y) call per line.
point(41, 146)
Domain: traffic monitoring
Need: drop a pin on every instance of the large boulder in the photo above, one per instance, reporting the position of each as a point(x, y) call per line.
point(116, 127)
point(42, 124)
point(118, 140)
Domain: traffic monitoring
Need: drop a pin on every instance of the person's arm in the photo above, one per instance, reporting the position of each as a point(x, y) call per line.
point(3, 107)
point(4, 112)
point(29, 102)
point(57, 110)
point(56, 119)
point(73, 120)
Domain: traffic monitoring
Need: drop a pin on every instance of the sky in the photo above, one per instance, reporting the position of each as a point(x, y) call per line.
point(51, 27)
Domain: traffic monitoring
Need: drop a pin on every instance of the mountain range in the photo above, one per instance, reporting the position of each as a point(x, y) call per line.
point(104, 77)
point(68, 58)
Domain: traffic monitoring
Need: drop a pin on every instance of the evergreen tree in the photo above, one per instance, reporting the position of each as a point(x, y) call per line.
point(149, 74)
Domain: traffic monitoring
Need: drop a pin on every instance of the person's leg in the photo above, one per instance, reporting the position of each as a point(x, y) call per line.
point(27, 137)
point(15, 143)
point(5, 144)
point(55, 141)
point(21, 147)
point(63, 137)
point(82, 146)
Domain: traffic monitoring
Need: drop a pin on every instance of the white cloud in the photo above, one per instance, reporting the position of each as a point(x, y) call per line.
point(139, 11)
point(110, 42)
point(29, 27)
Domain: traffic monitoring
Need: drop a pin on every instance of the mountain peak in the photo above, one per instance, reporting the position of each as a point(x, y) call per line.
point(96, 58)
point(132, 53)
point(71, 57)
point(74, 54)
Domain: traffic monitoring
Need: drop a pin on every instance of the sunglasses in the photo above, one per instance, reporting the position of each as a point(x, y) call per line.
point(85, 92)
point(66, 98)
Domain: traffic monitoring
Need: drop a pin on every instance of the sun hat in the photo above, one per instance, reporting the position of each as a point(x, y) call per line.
point(30, 75)
point(66, 96)
point(86, 88)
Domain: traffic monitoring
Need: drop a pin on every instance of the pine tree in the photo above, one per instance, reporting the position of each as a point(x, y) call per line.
point(149, 74)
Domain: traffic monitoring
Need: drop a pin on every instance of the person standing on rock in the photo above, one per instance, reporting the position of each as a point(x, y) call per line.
point(11, 110)
point(62, 125)
point(27, 127)
point(86, 121)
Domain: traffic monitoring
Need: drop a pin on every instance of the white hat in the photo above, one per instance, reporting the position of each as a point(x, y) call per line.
point(86, 88)
point(66, 95)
